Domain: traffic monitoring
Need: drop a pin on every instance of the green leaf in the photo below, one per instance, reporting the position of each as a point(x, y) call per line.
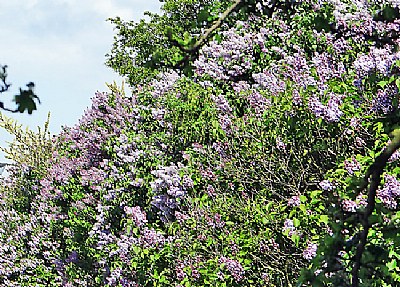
point(203, 15)
point(324, 218)
point(392, 264)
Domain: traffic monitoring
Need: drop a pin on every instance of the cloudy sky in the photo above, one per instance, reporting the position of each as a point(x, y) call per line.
point(60, 46)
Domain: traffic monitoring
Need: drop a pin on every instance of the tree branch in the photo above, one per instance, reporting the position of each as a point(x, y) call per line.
point(374, 172)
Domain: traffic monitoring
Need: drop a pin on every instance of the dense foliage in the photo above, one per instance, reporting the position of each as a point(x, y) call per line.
point(240, 160)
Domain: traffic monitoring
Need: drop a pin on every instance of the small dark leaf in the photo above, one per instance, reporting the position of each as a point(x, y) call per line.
point(203, 16)
point(26, 100)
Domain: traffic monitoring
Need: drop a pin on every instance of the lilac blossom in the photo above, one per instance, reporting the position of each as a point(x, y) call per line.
point(280, 144)
point(234, 267)
point(377, 60)
point(151, 238)
point(352, 165)
point(168, 186)
point(327, 68)
point(330, 112)
point(270, 82)
point(258, 102)
point(222, 104)
point(240, 86)
point(179, 270)
point(298, 70)
point(296, 98)
point(349, 205)
point(390, 192)
point(311, 251)
point(225, 123)
point(294, 201)
point(326, 185)
point(230, 58)
point(289, 227)
point(382, 102)
point(164, 83)
point(137, 214)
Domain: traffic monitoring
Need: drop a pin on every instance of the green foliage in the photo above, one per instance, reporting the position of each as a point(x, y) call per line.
point(30, 151)
point(246, 171)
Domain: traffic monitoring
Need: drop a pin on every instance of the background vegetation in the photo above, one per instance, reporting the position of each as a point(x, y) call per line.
point(256, 151)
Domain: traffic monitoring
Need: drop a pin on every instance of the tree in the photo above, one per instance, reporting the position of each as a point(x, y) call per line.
point(25, 100)
point(255, 151)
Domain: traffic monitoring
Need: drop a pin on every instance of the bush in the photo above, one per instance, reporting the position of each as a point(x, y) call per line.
point(243, 169)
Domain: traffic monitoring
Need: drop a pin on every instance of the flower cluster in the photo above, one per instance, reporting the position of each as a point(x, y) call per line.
point(390, 193)
point(294, 201)
point(168, 187)
point(164, 83)
point(230, 58)
point(352, 166)
point(311, 251)
point(234, 267)
point(326, 185)
point(289, 227)
point(330, 112)
point(136, 214)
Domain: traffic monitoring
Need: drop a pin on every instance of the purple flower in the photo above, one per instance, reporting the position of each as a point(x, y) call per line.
point(151, 239)
point(72, 258)
point(294, 201)
point(234, 267)
point(222, 104)
point(280, 144)
point(164, 83)
point(330, 112)
point(382, 102)
point(390, 192)
point(137, 214)
point(326, 185)
point(289, 227)
point(259, 103)
point(311, 251)
point(352, 165)
point(229, 58)
point(270, 82)
point(349, 205)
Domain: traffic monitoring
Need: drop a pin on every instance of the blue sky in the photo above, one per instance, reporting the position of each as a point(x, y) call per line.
point(60, 45)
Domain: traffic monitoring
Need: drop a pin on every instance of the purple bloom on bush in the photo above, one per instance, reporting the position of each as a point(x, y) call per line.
point(151, 238)
point(289, 227)
point(311, 251)
point(294, 201)
point(222, 104)
point(330, 112)
point(137, 214)
point(164, 83)
point(352, 165)
point(382, 102)
point(280, 144)
point(349, 205)
point(229, 58)
point(234, 267)
point(390, 192)
point(326, 185)
point(258, 102)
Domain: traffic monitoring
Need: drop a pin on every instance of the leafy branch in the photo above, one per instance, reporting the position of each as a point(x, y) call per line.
point(25, 100)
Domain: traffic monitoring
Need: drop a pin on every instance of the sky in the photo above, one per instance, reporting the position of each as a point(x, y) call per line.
point(60, 45)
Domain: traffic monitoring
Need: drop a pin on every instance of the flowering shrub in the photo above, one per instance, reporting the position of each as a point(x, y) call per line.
point(243, 169)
